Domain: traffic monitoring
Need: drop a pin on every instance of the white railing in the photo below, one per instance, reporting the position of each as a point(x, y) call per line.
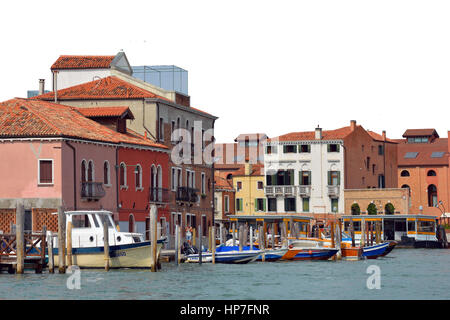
point(280, 190)
point(304, 191)
point(333, 191)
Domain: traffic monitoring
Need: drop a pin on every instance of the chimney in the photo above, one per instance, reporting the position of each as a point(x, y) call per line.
point(41, 86)
point(353, 125)
point(247, 168)
point(384, 135)
point(318, 133)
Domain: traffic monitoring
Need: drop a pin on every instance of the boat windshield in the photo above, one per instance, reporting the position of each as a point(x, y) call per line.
point(80, 221)
point(106, 218)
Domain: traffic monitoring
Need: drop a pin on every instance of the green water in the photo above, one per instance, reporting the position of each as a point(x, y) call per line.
point(405, 274)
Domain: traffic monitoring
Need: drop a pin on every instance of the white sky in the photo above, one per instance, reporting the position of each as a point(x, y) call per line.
point(260, 66)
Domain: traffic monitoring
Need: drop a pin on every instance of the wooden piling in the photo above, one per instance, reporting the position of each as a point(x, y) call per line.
point(179, 245)
point(51, 260)
point(177, 227)
point(241, 237)
point(43, 245)
point(194, 235)
point(262, 243)
point(106, 244)
point(20, 245)
point(61, 241)
point(69, 244)
point(233, 228)
point(251, 238)
point(352, 232)
point(363, 233)
point(200, 244)
point(213, 247)
point(221, 234)
point(154, 236)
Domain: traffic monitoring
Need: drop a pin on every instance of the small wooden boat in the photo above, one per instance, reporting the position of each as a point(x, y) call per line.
point(309, 253)
point(126, 250)
point(350, 253)
point(375, 251)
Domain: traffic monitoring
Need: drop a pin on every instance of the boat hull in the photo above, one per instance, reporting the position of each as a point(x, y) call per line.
point(310, 254)
point(136, 255)
point(375, 251)
point(351, 253)
point(390, 247)
point(272, 255)
point(232, 257)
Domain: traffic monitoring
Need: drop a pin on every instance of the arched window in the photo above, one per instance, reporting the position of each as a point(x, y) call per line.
point(106, 173)
point(138, 176)
point(431, 173)
point(229, 176)
point(159, 179)
point(406, 186)
point(83, 171)
point(404, 173)
point(90, 171)
point(131, 224)
point(123, 174)
point(432, 195)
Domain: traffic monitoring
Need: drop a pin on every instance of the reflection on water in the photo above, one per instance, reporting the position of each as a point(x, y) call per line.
point(405, 274)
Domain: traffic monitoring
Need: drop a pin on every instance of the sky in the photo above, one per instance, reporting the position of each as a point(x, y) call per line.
point(271, 67)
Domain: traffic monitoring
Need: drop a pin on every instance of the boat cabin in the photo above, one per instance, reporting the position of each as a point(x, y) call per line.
point(394, 227)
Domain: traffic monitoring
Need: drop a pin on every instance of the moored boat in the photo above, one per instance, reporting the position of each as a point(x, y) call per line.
point(273, 254)
point(375, 251)
point(126, 250)
point(226, 254)
point(309, 253)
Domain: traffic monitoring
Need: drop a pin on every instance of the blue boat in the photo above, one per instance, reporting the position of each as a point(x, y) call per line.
point(269, 254)
point(373, 252)
point(227, 254)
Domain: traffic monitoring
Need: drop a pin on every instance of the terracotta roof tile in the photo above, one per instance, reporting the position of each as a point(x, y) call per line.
point(34, 118)
point(424, 152)
point(106, 88)
point(222, 183)
point(379, 137)
point(340, 133)
point(82, 62)
point(420, 132)
point(94, 112)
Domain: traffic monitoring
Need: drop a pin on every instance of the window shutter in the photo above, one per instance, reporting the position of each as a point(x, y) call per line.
point(284, 149)
point(329, 178)
point(256, 204)
point(300, 175)
point(328, 148)
point(338, 178)
point(296, 148)
point(309, 178)
point(309, 148)
point(264, 204)
point(45, 171)
point(337, 147)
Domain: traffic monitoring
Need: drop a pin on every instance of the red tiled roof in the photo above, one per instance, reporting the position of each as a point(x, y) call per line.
point(222, 183)
point(95, 112)
point(424, 152)
point(106, 88)
point(253, 136)
point(34, 118)
point(420, 132)
point(257, 170)
point(340, 133)
point(82, 62)
point(378, 137)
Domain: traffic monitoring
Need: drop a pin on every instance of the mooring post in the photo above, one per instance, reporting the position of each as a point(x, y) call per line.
point(106, 244)
point(352, 232)
point(200, 244)
point(154, 235)
point(251, 238)
point(261, 243)
point(51, 261)
point(362, 242)
point(213, 249)
point(241, 237)
point(233, 233)
point(194, 235)
point(333, 242)
point(176, 244)
point(69, 244)
point(179, 246)
point(61, 241)
point(20, 254)
point(43, 245)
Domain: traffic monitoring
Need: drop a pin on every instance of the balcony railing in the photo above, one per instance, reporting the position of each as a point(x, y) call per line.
point(304, 191)
point(158, 195)
point(92, 190)
point(280, 190)
point(333, 191)
point(187, 194)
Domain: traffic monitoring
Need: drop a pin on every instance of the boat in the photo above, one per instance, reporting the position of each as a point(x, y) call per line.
point(350, 253)
point(273, 254)
point(390, 247)
point(227, 254)
point(374, 251)
point(126, 249)
point(309, 249)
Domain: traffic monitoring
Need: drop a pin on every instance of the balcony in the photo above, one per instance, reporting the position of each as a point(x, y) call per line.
point(158, 195)
point(333, 191)
point(186, 194)
point(280, 191)
point(304, 191)
point(92, 190)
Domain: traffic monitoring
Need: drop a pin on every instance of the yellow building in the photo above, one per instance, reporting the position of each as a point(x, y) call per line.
point(249, 185)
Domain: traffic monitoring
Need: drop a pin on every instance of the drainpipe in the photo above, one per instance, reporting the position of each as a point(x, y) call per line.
point(213, 186)
point(74, 175)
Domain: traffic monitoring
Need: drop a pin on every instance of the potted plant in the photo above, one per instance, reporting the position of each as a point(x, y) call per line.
point(372, 209)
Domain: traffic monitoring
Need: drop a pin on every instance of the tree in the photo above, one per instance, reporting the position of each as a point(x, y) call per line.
point(356, 210)
point(372, 209)
point(389, 208)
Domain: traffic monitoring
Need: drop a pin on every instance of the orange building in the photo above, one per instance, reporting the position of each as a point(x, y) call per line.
point(423, 165)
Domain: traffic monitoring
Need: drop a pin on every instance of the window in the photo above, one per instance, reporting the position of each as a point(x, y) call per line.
point(281, 178)
point(411, 226)
point(334, 205)
point(123, 175)
point(404, 173)
point(45, 173)
point(272, 204)
point(333, 147)
point(83, 171)
point(90, 171)
point(368, 163)
point(305, 148)
point(80, 221)
point(373, 169)
point(290, 149)
point(437, 154)
point(432, 195)
point(226, 204)
point(271, 149)
point(425, 226)
point(334, 178)
point(380, 150)
point(410, 155)
point(431, 173)
point(305, 178)
point(289, 204)
point(305, 204)
point(260, 204)
point(138, 177)
point(238, 185)
point(106, 173)
point(239, 205)
point(161, 129)
point(174, 179)
point(417, 139)
point(381, 181)
point(203, 183)
point(260, 185)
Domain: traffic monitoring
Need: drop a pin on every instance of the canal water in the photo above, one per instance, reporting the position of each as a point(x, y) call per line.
point(404, 274)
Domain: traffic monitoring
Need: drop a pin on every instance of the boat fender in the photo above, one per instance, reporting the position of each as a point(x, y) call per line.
point(91, 238)
point(290, 246)
point(119, 239)
point(310, 252)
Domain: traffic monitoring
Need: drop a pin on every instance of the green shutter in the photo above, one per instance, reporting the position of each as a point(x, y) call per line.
point(309, 178)
point(328, 148)
point(309, 148)
point(256, 205)
point(337, 147)
point(264, 204)
point(300, 175)
point(305, 204)
point(338, 178)
point(284, 149)
point(329, 178)
point(296, 148)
